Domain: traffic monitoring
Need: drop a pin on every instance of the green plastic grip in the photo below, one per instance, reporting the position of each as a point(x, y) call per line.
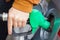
point(38, 20)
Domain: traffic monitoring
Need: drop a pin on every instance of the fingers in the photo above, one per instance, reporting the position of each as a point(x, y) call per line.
point(19, 23)
point(10, 25)
point(23, 23)
point(15, 22)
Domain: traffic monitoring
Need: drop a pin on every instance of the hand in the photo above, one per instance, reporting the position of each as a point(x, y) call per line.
point(16, 18)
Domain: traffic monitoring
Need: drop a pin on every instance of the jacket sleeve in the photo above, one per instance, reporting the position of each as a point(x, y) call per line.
point(34, 1)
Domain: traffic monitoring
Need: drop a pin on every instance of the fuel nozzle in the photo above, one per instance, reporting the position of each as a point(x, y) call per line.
point(38, 20)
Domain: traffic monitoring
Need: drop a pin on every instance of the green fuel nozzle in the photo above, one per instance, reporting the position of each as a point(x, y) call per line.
point(38, 20)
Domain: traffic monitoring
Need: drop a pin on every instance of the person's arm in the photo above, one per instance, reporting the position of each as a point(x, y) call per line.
point(34, 1)
point(19, 13)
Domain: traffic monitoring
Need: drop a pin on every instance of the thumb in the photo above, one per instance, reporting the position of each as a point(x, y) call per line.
point(9, 26)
